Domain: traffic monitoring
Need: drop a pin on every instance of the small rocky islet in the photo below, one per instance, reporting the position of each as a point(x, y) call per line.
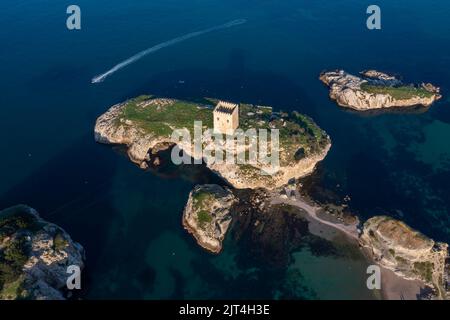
point(207, 215)
point(374, 90)
point(34, 256)
point(144, 125)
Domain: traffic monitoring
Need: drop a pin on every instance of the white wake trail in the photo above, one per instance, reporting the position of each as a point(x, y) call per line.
point(160, 46)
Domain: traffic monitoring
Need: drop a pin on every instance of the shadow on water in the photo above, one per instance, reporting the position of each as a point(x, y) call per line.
point(192, 173)
point(413, 110)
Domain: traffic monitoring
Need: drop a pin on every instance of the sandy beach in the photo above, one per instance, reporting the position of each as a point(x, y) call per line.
point(393, 286)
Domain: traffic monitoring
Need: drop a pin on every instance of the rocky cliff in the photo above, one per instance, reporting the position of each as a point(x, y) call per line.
point(375, 90)
point(207, 215)
point(34, 256)
point(410, 254)
point(145, 124)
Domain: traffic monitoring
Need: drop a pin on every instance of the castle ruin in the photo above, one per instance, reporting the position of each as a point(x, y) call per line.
point(226, 117)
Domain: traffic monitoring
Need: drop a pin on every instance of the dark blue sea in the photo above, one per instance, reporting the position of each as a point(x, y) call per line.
point(129, 220)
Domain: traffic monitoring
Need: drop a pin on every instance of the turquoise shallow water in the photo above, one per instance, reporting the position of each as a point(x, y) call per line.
point(130, 221)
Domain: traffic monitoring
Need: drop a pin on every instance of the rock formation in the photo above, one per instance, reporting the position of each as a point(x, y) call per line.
point(34, 256)
point(207, 215)
point(376, 90)
point(410, 254)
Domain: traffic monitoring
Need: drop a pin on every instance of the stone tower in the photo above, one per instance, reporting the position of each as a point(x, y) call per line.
point(226, 117)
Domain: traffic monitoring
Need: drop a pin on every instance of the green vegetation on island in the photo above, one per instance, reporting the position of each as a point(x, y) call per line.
point(160, 117)
point(398, 93)
point(372, 89)
point(166, 115)
point(203, 217)
point(202, 201)
point(15, 226)
point(424, 270)
point(207, 215)
point(406, 251)
point(34, 255)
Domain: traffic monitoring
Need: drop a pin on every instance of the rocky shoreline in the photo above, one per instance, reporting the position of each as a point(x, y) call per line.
point(34, 256)
point(207, 215)
point(373, 89)
point(397, 247)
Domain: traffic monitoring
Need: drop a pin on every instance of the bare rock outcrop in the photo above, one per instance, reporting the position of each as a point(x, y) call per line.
point(207, 215)
point(110, 128)
point(34, 256)
point(408, 253)
point(376, 90)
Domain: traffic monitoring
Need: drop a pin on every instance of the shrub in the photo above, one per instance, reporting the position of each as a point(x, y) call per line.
point(425, 270)
point(203, 218)
point(59, 242)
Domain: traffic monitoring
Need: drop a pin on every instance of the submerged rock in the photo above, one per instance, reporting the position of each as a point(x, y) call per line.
point(376, 90)
point(207, 215)
point(408, 253)
point(34, 256)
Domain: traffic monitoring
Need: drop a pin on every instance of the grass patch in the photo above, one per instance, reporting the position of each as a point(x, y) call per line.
point(250, 171)
point(12, 290)
point(425, 270)
point(398, 93)
point(59, 242)
point(12, 259)
point(161, 120)
point(15, 223)
point(200, 198)
point(203, 218)
point(401, 260)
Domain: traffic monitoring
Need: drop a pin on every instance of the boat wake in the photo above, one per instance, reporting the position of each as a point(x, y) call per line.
point(136, 57)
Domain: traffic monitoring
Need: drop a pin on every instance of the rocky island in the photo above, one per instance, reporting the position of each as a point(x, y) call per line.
point(376, 90)
point(212, 211)
point(145, 124)
point(207, 215)
point(408, 253)
point(34, 256)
